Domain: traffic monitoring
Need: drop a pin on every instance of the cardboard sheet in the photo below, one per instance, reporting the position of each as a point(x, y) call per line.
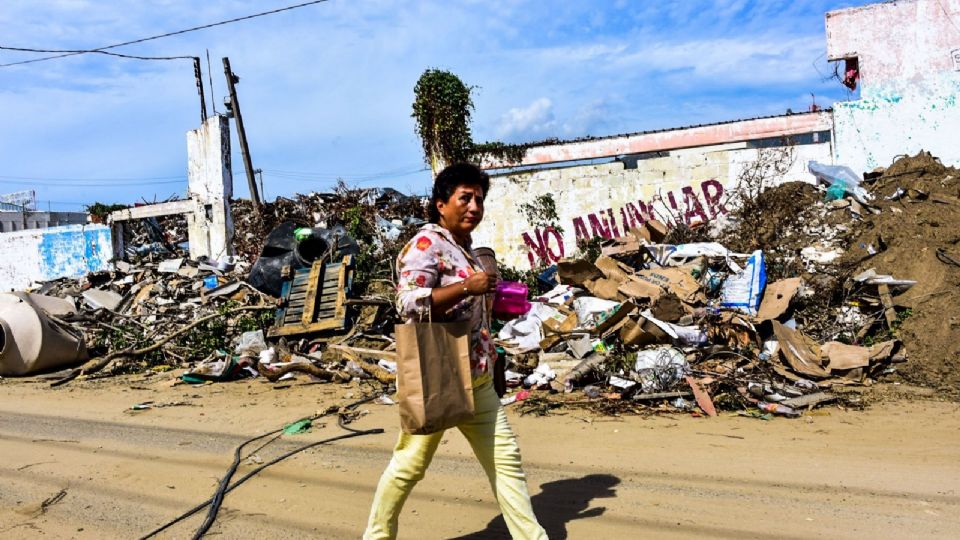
point(841, 357)
point(801, 353)
point(777, 297)
point(577, 272)
point(677, 280)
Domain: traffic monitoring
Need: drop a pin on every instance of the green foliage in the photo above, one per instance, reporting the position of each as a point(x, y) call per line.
point(122, 335)
point(358, 225)
point(588, 250)
point(886, 333)
point(257, 320)
point(102, 210)
point(528, 277)
point(621, 361)
point(206, 339)
point(216, 334)
point(542, 212)
point(507, 153)
point(442, 106)
point(358, 216)
point(359, 222)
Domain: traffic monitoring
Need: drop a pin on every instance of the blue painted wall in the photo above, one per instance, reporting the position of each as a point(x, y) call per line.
point(74, 251)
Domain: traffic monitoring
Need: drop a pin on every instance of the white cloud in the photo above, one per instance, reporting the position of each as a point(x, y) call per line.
point(536, 120)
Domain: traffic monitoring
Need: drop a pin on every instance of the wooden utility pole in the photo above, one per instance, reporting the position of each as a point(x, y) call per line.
point(234, 107)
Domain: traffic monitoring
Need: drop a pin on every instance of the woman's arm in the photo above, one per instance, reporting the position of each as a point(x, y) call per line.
point(444, 298)
point(418, 294)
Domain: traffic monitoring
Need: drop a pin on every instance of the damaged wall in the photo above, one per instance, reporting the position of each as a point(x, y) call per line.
point(43, 254)
point(908, 57)
point(607, 199)
point(210, 186)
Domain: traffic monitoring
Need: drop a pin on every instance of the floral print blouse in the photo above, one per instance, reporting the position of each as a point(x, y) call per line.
point(433, 259)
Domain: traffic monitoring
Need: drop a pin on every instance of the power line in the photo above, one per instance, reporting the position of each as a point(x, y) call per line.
point(85, 51)
point(294, 175)
point(398, 170)
point(168, 34)
point(65, 203)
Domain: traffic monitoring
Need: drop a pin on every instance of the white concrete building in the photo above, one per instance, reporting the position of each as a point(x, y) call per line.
point(906, 55)
point(684, 173)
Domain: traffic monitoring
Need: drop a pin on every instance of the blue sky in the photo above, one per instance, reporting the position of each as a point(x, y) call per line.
point(326, 90)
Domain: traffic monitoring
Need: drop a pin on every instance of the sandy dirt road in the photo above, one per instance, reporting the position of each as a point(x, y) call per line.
point(889, 472)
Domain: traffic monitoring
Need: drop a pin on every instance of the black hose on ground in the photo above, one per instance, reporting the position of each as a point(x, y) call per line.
point(225, 487)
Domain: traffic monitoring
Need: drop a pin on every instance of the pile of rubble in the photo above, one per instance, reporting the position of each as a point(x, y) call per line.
point(829, 290)
point(915, 235)
point(370, 215)
point(158, 314)
point(811, 291)
point(692, 325)
point(159, 310)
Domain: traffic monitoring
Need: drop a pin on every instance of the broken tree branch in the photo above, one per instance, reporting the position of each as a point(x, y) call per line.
point(356, 354)
point(97, 364)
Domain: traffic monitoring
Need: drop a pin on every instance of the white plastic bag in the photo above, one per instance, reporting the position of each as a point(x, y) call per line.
point(251, 343)
point(840, 176)
point(592, 311)
point(687, 336)
point(525, 332)
point(660, 368)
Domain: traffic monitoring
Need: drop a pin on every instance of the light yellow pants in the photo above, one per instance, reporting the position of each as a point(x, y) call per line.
point(496, 448)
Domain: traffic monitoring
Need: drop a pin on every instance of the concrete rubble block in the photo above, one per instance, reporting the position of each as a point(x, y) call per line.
point(99, 298)
point(170, 265)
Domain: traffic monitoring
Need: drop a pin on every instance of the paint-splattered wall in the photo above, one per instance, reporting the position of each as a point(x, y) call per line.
point(908, 62)
point(43, 254)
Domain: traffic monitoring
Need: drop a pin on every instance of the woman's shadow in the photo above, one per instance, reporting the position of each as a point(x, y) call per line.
point(557, 504)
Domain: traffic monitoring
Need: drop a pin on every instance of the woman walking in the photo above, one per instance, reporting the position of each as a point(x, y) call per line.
point(440, 278)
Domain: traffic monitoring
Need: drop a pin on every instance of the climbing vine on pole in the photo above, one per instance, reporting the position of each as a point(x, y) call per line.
point(442, 108)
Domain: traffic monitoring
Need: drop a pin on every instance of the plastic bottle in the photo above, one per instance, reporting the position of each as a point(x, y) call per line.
point(776, 408)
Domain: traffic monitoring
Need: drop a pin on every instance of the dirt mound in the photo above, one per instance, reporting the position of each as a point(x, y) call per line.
point(788, 211)
point(914, 236)
point(775, 217)
point(920, 218)
point(922, 165)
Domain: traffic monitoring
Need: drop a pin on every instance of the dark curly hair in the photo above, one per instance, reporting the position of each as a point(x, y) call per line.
point(452, 177)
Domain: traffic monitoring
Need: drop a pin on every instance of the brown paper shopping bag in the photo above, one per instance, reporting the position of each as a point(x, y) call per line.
point(434, 387)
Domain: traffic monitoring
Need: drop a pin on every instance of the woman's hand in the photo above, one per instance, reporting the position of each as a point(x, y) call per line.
point(444, 298)
point(480, 283)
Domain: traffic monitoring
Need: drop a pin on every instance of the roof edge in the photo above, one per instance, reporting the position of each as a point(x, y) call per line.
point(583, 148)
